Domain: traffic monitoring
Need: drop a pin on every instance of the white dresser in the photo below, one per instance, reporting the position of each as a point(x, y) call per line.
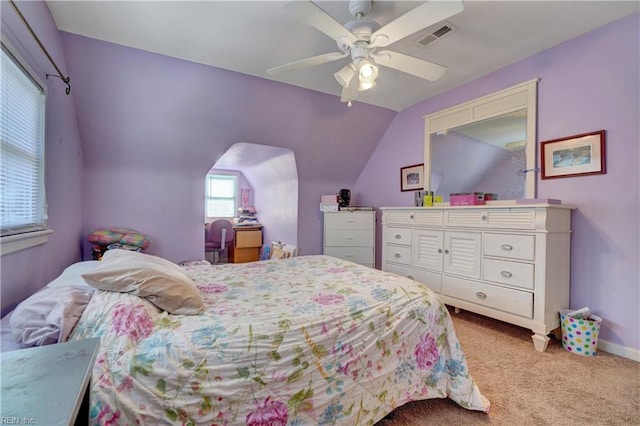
point(351, 235)
point(509, 262)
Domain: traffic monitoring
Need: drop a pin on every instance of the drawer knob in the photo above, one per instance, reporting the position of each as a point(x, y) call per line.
point(484, 218)
point(506, 274)
point(410, 277)
point(411, 217)
point(439, 250)
point(506, 247)
point(397, 255)
point(481, 295)
point(446, 251)
point(398, 236)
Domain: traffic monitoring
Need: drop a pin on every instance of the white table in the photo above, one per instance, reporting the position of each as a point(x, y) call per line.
point(47, 385)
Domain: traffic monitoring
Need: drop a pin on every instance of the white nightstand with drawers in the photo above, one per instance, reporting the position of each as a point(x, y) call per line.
point(509, 262)
point(351, 235)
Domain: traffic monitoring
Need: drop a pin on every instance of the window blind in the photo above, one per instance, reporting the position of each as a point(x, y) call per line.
point(22, 108)
point(221, 195)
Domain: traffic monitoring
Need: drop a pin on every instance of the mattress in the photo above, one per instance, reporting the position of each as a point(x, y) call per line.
point(305, 340)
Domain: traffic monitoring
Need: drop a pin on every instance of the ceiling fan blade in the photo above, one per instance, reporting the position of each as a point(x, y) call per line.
point(421, 17)
point(321, 21)
point(414, 66)
point(308, 62)
point(350, 92)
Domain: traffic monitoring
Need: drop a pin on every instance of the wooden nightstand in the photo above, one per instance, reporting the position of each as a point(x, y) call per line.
point(48, 385)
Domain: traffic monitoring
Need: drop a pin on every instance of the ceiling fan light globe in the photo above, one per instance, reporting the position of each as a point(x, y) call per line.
point(366, 85)
point(345, 75)
point(367, 74)
point(368, 71)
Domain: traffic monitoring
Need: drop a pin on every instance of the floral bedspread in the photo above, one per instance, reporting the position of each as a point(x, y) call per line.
point(311, 340)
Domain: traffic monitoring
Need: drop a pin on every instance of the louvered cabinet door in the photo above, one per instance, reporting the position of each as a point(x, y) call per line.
point(428, 249)
point(462, 253)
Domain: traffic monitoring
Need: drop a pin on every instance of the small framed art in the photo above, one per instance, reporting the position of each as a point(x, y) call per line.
point(412, 178)
point(577, 155)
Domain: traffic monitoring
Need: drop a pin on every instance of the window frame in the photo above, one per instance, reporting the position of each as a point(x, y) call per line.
point(236, 177)
point(30, 236)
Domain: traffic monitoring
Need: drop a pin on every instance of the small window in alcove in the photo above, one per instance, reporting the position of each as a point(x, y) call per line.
point(221, 195)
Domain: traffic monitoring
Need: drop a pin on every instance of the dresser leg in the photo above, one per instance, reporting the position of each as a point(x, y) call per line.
point(540, 342)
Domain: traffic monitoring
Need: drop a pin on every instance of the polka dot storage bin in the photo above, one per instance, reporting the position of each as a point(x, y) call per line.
point(580, 336)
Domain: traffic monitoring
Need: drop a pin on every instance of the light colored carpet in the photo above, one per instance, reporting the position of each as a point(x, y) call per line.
point(527, 387)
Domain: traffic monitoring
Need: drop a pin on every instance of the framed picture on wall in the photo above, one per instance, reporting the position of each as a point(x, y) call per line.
point(577, 155)
point(412, 178)
point(245, 197)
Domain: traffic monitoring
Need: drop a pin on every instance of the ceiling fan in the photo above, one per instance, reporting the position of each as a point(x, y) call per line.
point(362, 38)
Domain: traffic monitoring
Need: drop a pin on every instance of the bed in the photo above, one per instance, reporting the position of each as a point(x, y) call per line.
point(300, 341)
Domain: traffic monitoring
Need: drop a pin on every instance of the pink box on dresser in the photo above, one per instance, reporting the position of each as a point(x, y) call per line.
point(466, 199)
point(329, 199)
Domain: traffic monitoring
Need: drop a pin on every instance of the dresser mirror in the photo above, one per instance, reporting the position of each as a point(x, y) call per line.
point(485, 145)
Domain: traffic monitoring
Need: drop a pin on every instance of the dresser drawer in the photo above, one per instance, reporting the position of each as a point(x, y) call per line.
point(348, 220)
point(510, 246)
point(423, 217)
point(348, 238)
point(428, 217)
point(397, 236)
point(361, 255)
point(507, 300)
point(430, 279)
point(509, 273)
point(491, 218)
point(248, 238)
point(397, 254)
point(400, 217)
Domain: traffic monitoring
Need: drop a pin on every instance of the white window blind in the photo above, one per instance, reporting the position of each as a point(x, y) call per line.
point(221, 193)
point(22, 107)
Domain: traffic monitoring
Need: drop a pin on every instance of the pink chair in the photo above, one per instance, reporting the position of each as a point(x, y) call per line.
point(218, 236)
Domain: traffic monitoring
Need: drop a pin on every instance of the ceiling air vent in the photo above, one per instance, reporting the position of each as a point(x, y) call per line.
point(433, 36)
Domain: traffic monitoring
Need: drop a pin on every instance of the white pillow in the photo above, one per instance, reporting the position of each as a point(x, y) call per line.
point(160, 281)
point(72, 275)
point(49, 315)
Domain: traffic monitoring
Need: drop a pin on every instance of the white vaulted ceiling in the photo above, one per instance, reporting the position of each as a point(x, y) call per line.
point(252, 36)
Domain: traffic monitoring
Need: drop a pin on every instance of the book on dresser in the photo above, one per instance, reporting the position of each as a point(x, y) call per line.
point(511, 263)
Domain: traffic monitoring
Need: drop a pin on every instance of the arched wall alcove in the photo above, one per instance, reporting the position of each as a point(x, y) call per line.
point(273, 176)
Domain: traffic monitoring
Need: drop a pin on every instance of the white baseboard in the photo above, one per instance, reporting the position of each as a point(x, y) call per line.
point(615, 349)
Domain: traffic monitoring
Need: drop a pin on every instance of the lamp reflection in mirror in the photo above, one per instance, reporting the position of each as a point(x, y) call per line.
point(436, 177)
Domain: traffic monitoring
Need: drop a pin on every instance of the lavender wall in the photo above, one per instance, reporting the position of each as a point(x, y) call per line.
point(153, 125)
point(26, 271)
point(588, 83)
